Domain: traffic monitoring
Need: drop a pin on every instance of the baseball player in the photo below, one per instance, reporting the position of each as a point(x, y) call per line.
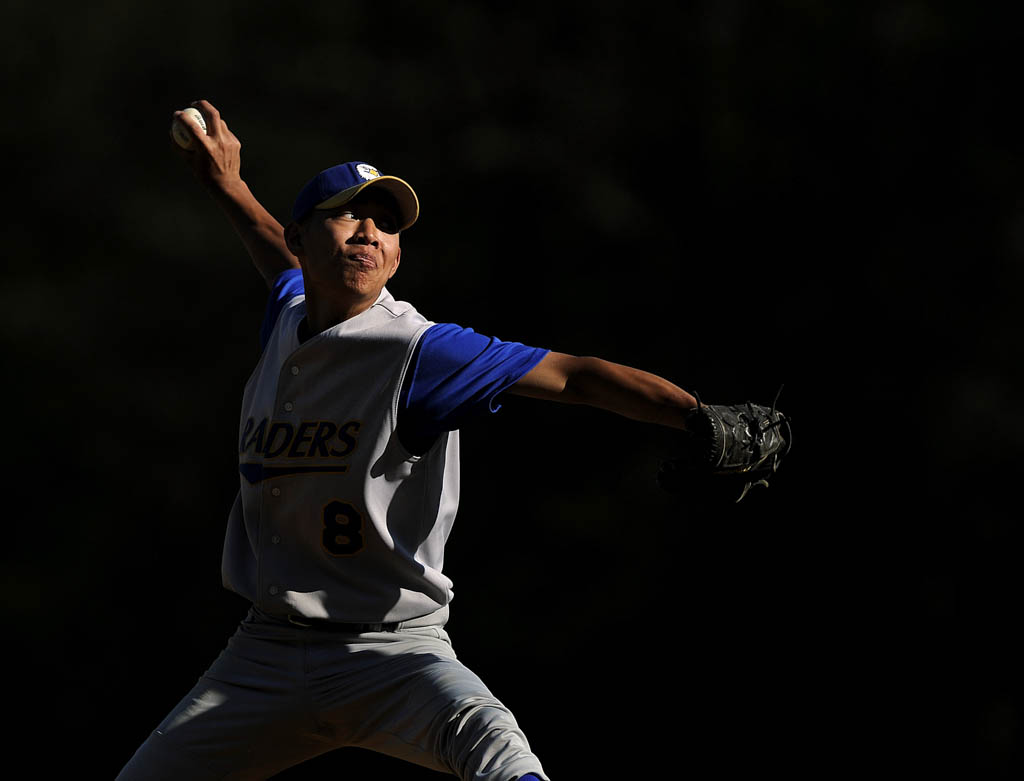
point(348, 452)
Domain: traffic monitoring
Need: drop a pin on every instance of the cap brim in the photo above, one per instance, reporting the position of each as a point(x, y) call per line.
point(405, 197)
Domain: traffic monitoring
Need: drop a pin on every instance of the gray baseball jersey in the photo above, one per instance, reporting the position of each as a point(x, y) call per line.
point(334, 519)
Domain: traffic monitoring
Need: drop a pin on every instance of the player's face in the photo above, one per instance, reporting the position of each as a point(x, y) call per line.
point(352, 250)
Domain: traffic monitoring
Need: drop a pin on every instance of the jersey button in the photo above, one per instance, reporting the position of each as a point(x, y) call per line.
point(275, 491)
point(273, 590)
point(288, 406)
point(295, 370)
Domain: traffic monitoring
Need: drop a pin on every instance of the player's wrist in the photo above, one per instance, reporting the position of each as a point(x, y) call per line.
point(228, 184)
point(235, 197)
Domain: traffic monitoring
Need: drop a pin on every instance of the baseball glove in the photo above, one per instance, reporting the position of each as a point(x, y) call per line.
point(727, 450)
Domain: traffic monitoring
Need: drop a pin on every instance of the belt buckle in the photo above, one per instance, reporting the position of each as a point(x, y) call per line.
point(293, 620)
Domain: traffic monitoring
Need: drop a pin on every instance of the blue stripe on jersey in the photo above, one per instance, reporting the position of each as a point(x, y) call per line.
point(456, 374)
point(287, 285)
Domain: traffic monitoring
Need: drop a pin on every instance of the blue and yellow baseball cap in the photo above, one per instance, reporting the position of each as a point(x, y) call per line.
point(339, 184)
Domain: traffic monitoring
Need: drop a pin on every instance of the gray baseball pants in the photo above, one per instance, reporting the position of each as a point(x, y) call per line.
point(280, 694)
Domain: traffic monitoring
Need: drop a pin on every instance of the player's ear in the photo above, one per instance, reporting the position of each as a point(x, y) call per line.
point(398, 258)
point(293, 238)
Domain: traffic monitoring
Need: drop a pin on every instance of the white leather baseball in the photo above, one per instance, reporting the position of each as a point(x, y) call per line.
point(181, 134)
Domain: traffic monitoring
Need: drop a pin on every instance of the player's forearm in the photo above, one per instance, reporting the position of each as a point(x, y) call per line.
point(626, 391)
point(261, 234)
point(630, 392)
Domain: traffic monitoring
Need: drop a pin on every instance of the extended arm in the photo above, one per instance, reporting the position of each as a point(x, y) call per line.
point(216, 161)
point(610, 386)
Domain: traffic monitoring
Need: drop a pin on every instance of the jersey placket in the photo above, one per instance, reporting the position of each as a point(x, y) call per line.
point(287, 403)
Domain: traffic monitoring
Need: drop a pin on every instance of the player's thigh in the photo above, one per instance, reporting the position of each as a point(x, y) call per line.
point(242, 719)
point(225, 732)
point(419, 703)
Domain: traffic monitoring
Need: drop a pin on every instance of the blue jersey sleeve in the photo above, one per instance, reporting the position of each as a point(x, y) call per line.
point(287, 285)
point(456, 374)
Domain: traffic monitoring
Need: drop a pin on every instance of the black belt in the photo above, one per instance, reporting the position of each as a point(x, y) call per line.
point(324, 625)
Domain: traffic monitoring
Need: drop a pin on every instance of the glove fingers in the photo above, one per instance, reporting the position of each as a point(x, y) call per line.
point(727, 451)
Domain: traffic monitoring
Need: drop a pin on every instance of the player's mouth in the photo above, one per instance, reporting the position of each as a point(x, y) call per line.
point(363, 260)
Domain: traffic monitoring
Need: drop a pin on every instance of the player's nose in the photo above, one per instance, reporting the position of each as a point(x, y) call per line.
point(367, 232)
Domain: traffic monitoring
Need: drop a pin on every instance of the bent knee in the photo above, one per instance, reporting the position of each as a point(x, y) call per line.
point(484, 741)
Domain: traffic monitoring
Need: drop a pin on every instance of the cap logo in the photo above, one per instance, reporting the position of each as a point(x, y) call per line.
point(367, 171)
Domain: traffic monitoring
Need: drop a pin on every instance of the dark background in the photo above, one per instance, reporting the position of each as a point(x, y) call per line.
point(734, 195)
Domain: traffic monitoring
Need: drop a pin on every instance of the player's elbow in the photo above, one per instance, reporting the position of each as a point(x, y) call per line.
point(552, 378)
point(588, 380)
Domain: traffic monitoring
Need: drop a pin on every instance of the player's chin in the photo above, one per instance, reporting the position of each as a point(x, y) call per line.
point(361, 281)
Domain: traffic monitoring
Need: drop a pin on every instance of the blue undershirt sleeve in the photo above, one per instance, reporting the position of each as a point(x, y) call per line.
point(454, 375)
point(287, 285)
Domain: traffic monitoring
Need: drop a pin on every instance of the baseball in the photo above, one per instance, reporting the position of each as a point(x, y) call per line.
point(181, 134)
